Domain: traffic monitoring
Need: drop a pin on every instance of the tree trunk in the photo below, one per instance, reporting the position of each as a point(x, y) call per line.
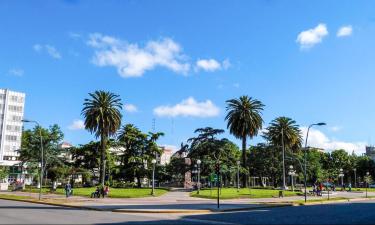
point(244, 175)
point(103, 143)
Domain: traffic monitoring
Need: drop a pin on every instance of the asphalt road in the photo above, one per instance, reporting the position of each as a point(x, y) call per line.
point(12, 212)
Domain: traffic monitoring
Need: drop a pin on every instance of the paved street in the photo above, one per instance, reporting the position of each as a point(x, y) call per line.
point(345, 213)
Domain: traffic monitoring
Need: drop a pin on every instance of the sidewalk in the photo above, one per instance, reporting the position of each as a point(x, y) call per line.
point(175, 201)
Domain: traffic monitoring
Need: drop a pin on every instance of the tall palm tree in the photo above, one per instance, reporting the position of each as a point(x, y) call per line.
point(103, 118)
point(244, 116)
point(287, 127)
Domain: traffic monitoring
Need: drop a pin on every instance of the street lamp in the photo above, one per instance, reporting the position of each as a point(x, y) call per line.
point(282, 143)
point(341, 174)
point(41, 155)
point(238, 175)
point(355, 177)
point(199, 175)
point(153, 176)
point(367, 180)
point(292, 173)
point(307, 136)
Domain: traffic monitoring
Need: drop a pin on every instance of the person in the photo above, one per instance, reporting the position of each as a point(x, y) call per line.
point(106, 190)
point(333, 187)
point(320, 189)
point(314, 189)
point(96, 193)
point(350, 187)
point(68, 190)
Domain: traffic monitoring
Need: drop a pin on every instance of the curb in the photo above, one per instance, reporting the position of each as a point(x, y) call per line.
point(53, 204)
point(192, 211)
point(330, 202)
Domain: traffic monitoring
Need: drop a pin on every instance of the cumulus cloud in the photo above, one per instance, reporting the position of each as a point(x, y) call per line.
point(320, 140)
point(132, 60)
point(16, 72)
point(311, 37)
point(130, 108)
point(49, 49)
point(77, 125)
point(189, 107)
point(345, 31)
point(211, 65)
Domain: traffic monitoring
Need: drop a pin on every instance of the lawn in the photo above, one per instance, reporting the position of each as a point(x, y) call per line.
point(113, 192)
point(14, 197)
point(230, 193)
point(320, 200)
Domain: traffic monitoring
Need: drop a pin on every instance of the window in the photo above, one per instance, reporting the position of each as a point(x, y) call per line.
point(15, 108)
point(14, 118)
point(10, 138)
point(13, 128)
point(16, 99)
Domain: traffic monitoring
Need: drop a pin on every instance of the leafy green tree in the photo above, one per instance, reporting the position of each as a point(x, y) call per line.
point(287, 128)
point(139, 150)
point(30, 148)
point(4, 172)
point(103, 118)
point(244, 116)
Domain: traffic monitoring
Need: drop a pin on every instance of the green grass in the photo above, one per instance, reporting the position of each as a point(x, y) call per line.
point(231, 193)
point(113, 192)
point(15, 197)
point(363, 189)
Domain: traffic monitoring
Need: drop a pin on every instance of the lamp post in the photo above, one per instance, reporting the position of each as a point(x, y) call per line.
point(41, 155)
point(153, 176)
point(341, 174)
point(282, 143)
point(199, 175)
point(305, 155)
point(367, 180)
point(238, 175)
point(355, 177)
point(292, 173)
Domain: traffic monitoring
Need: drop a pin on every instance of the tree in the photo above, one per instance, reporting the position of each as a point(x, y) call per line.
point(287, 128)
point(139, 150)
point(244, 120)
point(30, 148)
point(103, 118)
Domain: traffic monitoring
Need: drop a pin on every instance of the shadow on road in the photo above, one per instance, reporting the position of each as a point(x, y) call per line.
point(353, 213)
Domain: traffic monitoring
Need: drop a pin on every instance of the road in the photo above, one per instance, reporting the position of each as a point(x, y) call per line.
point(12, 212)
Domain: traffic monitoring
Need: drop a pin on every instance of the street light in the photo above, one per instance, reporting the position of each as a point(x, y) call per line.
point(238, 175)
point(367, 180)
point(153, 176)
point(307, 136)
point(199, 175)
point(282, 142)
point(41, 155)
point(292, 173)
point(355, 177)
point(341, 174)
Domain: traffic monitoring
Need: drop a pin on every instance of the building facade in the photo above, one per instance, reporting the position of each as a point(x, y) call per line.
point(370, 152)
point(11, 114)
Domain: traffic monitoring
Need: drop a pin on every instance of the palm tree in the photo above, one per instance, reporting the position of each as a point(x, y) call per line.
point(290, 130)
point(103, 118)
point(244, 120)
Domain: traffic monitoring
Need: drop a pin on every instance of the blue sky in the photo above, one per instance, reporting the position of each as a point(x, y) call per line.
point(178, 61)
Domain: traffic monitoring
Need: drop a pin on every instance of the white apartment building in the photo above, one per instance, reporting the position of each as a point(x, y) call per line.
point(11, 114)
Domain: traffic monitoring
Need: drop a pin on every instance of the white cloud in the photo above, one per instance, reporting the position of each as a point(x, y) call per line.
point(236, 85)
point(49, 49)
point(16, 72)
point(335, 128)
point(130, 108)
point(345, 31)
point(189, 107)
point(131, 60)
point(211, 65)
point(74, 35)
point(309, 38)
point(320, 140)
point(77, 125)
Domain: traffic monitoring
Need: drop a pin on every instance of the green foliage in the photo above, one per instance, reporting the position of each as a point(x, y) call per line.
point(30, 152)
point(103, 118)
point(4, 171)
point(287, 128)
